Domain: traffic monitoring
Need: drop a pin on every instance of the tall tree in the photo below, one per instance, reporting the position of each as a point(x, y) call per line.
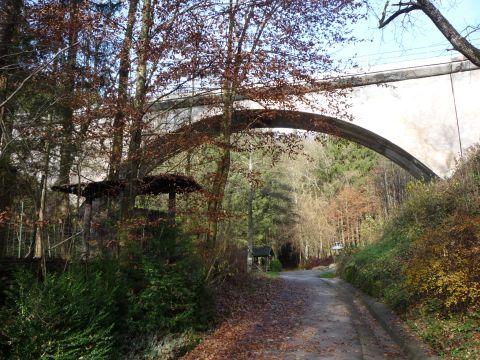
point(260, 50)
point(161, 51)
point(9, 19)
point(459, 42)
point(64, 42)
point(140, 90)
point(122, 96)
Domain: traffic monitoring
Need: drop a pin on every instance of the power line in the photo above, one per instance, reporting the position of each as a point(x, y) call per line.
point(379, 59)
point(432, 46)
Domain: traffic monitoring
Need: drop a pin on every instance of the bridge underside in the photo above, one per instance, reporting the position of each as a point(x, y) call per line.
point(189, 137)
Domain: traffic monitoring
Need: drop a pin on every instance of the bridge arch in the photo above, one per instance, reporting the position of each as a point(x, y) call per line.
point(200, 132)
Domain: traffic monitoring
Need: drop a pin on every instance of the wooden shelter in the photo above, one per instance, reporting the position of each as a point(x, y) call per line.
point(148, 185)
point(170, 184)
point(262, 256)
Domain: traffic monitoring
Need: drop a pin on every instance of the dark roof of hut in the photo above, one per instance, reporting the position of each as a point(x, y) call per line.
point(148, 185)
point(262, 251)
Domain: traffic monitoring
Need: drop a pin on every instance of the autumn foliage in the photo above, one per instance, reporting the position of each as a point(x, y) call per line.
point(429, 251)
point(446, 264)
point(425, 263)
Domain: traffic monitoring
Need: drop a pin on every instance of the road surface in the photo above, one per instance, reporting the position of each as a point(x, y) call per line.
point(335, 325)
point(299, 317)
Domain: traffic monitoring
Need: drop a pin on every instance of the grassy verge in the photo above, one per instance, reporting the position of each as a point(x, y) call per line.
point(271, 274)
point(455, 336)
point(328, 275)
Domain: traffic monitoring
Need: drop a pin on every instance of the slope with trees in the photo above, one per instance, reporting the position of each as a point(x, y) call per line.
point(425, 263)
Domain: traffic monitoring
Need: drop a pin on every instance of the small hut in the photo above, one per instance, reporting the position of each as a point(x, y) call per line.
point(262, 257)
point(170, 184)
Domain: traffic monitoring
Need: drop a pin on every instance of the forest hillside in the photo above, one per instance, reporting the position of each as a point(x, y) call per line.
point(426, 262)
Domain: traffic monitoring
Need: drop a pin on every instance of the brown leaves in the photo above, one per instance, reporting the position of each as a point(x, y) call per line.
point(255, 317)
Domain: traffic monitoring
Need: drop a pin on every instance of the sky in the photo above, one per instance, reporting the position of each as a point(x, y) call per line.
point(420, 40)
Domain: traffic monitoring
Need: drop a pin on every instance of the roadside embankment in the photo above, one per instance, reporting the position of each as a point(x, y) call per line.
point(426, 265)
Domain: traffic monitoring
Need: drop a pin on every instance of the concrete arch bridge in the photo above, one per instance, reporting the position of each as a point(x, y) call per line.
point(422, 116)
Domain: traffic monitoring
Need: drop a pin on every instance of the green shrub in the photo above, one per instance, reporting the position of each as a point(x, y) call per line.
point(67, 316)
point(275, 265)
point(166, 289)
point(397, 296)
point(174, 297)
point(90, 311)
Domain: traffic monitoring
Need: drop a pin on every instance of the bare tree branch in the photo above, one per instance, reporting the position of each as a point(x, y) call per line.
point(34, 73)
point(384, 22)
point(470, 30)
point(459, 42)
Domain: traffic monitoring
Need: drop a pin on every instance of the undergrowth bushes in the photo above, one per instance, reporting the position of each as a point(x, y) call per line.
point(429, 249)
point(275, 265)
point(446, 263)
point(65, 317)
point(376, 268)
point(88, 312)
point(426, 264)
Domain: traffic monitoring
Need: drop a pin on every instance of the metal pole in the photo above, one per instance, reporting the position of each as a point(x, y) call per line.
point(456, 116)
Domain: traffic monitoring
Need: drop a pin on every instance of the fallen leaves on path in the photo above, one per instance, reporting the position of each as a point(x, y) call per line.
point(256, 320)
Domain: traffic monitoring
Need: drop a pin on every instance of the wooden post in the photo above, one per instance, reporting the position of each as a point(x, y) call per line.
point(87, 224)
point(171, 207)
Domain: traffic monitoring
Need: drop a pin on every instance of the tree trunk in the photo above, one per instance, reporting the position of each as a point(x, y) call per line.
point(172, 208)
point(67, 146)
point(67, 149)
point(123, 73)
point(218, 192)
point(140, 91)
point(9, 17)
point(250, 212)
point(39, 240)
point(87, 224)
point(223, 163)
point(137, 121)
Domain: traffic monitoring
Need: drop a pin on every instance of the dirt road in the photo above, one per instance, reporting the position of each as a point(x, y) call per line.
point(306, 318)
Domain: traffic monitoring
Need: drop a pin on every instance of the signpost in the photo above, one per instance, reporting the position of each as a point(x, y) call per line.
point(337, 246)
